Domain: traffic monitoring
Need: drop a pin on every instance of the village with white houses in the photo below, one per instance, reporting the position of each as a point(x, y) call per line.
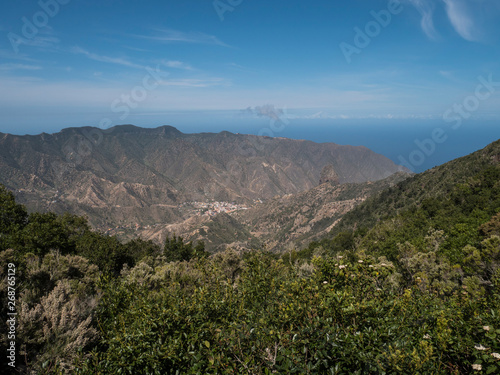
point(194, 208)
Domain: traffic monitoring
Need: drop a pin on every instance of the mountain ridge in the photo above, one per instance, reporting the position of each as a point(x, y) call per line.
point(129, 175)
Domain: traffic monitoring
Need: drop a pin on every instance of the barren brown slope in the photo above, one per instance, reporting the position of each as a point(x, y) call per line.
point(129, 175)
point(290, 221)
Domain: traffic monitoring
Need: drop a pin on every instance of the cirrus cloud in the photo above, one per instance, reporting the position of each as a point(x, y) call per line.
point(458, 14)
point(426, 10)
point(465, 16)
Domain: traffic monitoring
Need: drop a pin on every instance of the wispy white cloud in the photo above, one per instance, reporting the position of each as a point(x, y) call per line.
point(44, 39)
point(19, 67)
point(9, 54)
point(426, 10)
point(42, 42)
point(105, 59)
point(176, 64)
point(240, 68)
point(11, 84)
point(465, 16)
point(192, 82)
point(137, 49)
point(173, 64)
point(458, 15)
point(169, 36)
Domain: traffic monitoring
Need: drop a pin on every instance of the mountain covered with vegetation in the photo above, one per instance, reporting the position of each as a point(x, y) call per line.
point(435, 183)
point(408, 282)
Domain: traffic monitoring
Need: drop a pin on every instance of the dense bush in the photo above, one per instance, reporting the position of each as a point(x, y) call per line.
point(177, 250)
point(56, 297)
point(345, 318)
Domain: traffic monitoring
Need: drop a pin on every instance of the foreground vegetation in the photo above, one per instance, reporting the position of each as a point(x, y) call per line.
point(413, 289)
point(250, 314)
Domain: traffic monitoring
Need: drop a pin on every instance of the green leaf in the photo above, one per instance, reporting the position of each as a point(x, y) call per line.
point(492, 369)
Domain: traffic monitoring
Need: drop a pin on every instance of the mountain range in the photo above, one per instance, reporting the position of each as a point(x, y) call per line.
point(128, 179)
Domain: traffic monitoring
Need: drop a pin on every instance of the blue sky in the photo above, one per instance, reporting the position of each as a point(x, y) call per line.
point(74, 62)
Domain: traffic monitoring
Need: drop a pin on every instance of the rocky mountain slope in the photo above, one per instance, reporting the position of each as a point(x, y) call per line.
point(134, 177)
point(289, 221)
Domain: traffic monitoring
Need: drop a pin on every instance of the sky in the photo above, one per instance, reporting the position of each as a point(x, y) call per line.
point(209, 65)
